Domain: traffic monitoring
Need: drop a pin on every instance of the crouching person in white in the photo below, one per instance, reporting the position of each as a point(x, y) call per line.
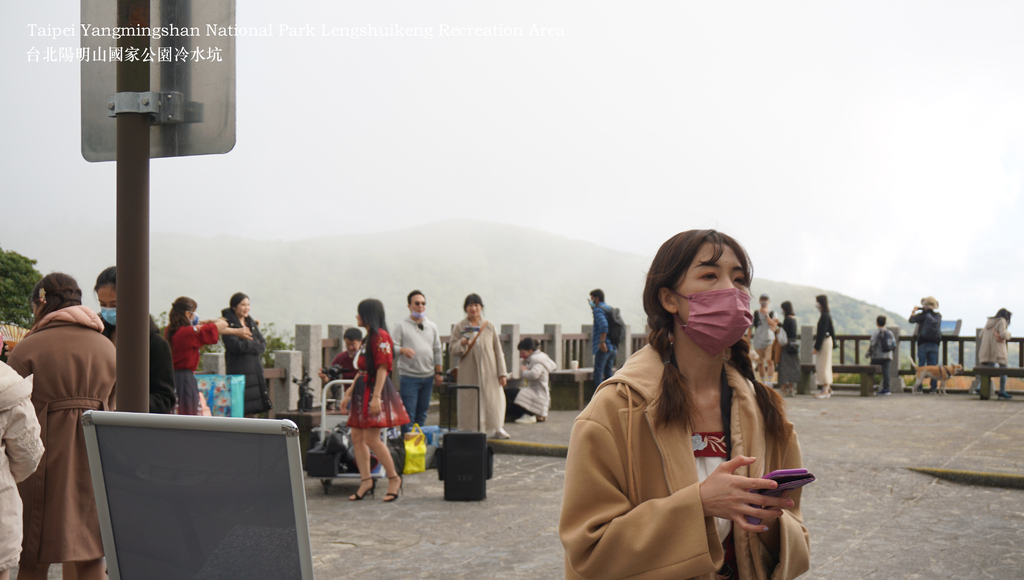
point(20, 452)
point(530, 404)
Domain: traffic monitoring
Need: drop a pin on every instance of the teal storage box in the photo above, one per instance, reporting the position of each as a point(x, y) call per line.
point(224, 394)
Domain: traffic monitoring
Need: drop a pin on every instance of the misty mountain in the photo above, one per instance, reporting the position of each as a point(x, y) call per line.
point(523, 275)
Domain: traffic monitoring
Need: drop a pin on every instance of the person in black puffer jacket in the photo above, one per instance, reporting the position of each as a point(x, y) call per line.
point(161, 370)
point(243, 356)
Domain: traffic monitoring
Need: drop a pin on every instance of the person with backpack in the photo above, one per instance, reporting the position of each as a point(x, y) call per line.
point(603, 340)
point(762, 338)
point(928, 334)
point(880, 350)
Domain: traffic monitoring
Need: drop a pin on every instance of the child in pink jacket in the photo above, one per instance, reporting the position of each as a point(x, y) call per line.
point(20, 452)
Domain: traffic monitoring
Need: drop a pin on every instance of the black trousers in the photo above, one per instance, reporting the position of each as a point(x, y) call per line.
point(886, 365)
point(512, 410)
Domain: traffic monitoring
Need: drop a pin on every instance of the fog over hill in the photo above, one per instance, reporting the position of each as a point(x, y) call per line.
point(524, 275)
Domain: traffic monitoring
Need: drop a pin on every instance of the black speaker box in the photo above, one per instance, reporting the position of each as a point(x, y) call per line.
point(465, 462)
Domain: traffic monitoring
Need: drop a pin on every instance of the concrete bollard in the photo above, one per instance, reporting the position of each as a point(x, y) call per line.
point(286, 393)
point(309, 341)
point(214, 363)
point(509, 349)
point(555, 349)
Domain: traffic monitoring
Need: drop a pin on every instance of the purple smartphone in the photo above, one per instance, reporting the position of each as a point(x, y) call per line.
point(787, 479)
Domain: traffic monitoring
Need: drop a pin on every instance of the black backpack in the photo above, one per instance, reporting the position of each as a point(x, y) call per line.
point(757, 317)
point(886, 342)
point(616, 326)
point(931, 327)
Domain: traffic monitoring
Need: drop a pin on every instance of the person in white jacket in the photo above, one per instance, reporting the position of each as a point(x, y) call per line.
point(20, 452)
point(530, 404)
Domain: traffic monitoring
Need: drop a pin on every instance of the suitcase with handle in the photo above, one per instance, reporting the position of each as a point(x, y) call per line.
point(464, 461)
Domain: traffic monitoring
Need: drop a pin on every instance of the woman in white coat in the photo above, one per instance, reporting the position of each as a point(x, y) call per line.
point(530, 404)
point(20, 452)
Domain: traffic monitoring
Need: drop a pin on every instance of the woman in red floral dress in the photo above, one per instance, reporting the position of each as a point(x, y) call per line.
point(375, 402)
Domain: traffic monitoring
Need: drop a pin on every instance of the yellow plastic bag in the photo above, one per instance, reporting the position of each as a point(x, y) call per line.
point(415, 451)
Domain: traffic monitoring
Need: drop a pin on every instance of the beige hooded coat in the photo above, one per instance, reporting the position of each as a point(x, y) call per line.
point(632, 506)
point(74, 368)
point(993, 341)
point(482, 366)
point(20, 452)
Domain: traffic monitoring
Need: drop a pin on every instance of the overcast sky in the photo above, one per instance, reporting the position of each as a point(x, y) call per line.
point(874, 148)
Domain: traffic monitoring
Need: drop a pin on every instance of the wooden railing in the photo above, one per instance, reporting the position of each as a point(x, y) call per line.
point(953, 350)
point(567, 347)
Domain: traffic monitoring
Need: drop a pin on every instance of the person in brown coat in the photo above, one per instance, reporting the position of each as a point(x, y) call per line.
point(74, 370)
point(662, 461)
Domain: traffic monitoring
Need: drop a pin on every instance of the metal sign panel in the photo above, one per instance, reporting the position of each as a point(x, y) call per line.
point(192, 68)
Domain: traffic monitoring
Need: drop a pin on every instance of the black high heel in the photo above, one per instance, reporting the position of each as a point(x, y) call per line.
point(390, 497)
point(357, 497)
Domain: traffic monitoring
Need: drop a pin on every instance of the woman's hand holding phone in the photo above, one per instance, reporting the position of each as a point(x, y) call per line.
point(728, 496)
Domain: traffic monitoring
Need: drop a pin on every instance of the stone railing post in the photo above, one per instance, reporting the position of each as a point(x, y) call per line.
point(309, 341)
point(977, 346)
point(807, 379)
point(894, 367)
point(284, 392)
point(214, 364)
point(509, 348)
point(453, 361)
point(588, 349)
point(555, 350)
point(626, 349)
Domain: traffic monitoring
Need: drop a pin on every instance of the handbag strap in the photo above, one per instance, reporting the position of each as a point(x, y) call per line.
point(483, 324)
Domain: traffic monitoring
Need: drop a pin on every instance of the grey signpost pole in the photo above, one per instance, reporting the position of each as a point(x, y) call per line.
point(133, 219)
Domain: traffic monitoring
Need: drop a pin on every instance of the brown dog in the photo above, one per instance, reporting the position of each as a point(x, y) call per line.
point(940, 373)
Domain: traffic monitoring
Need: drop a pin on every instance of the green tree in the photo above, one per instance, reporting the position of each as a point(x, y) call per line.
point(275, 341)
point(17, 278)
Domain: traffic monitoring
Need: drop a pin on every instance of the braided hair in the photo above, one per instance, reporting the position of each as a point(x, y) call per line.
point(55, 291)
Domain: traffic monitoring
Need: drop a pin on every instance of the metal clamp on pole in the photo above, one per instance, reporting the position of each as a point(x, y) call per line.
point(163, 108)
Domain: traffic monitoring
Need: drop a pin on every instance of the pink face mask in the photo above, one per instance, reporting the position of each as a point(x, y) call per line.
point(718, 318)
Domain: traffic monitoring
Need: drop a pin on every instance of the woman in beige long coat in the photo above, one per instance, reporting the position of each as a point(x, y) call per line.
point(992, 349)
point(481, 362)
point(74, 370)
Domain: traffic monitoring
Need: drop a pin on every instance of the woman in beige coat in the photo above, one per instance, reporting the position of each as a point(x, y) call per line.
point(662, 460)
point(20, 452)
point(481, 362)
point(992, 350)
point(74, 370)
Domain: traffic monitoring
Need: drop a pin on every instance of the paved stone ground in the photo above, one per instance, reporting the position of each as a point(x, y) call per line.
point(869, 517)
